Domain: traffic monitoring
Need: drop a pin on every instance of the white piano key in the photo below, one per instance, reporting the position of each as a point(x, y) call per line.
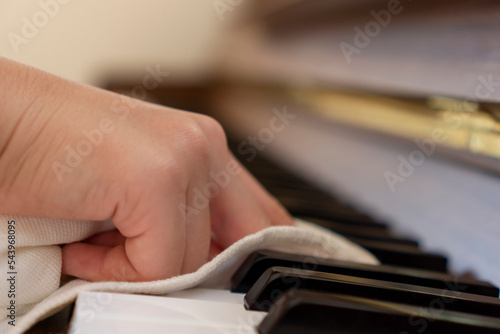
point(210, 312)
point(210, 295)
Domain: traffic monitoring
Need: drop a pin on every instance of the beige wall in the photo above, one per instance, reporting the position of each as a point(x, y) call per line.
point(85, 40)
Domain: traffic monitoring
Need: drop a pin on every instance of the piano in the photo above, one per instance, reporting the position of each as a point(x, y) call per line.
point(273, 292)
point(377, 120)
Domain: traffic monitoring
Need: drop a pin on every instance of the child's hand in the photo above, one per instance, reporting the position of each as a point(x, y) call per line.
point(165, 177)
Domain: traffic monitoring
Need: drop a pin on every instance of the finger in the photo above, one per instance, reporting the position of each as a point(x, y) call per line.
point(242, 207)
point(276, 213)
point(197, 235)
point(215, 250)
point(81, 260)
point(110, 238)
point(235, 213)
point(154, 248)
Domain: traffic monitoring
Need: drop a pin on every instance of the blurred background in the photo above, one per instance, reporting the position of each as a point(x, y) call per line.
point(87, 41)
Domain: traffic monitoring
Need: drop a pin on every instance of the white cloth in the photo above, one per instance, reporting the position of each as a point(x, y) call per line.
point(38, 263)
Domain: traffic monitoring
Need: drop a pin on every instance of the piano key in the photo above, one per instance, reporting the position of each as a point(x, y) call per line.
point(366, 229)
point(309, 193)
point(311, 198)
point(294, 190)
point(367, 233)
point(277, 177)
point(300, 208)
point(277, 280)
point(354, 237)
point(258, 262)
point(354, 234)
point(309, 312)
point(393, 251)
point(313, 204)
point(272, 173)
point(214, 295)
point(194, 311)
point(405, 256)
point(272, 184)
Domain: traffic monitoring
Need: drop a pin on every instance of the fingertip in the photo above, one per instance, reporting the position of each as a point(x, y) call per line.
point(278, 214)
point(215, 250)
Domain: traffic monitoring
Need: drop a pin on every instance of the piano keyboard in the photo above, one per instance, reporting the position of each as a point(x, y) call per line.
point(274, 293)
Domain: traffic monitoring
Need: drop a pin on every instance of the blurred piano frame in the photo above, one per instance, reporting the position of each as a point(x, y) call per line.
point(392, 107)
point(396, 106)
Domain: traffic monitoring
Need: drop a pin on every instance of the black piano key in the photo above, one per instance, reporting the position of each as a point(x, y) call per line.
point(272, 185)
point(299, 312)
point(355, 237)
point(283, 181)
point(364, 232)
point(258, 262)
point(288, 197)
point(405, 256)
point(375, 230)
point(389, 250)
point(277, 280)
point(310, 194)
point(276, 176)
point(313, 201)
point(329, 207)
point(300, 208)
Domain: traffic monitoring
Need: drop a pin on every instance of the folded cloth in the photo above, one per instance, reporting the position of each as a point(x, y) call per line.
point(38, 263)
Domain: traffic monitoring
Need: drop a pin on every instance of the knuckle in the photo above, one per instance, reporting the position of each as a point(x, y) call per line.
point(192, 147)
point(194, 138)
point(214, 131)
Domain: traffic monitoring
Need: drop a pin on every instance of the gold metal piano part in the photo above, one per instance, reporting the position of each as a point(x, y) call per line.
point(465, 126)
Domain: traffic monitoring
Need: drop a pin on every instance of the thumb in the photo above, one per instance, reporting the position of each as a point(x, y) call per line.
point(154, 246)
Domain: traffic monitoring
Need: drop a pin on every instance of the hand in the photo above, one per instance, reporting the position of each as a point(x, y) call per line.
point(164, 177)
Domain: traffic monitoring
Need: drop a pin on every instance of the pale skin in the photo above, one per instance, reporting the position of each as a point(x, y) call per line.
point(146, 167)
